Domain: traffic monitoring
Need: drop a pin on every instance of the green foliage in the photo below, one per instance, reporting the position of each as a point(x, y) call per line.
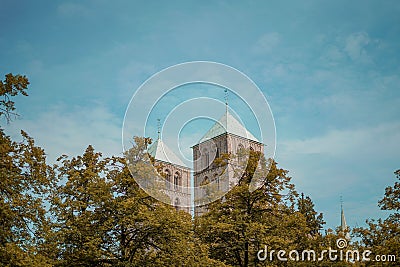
point(149, 232)
point(391, 199)
point(10, 87)
point(241, 223)
point(80, 205)
point(103, 218)
point(314, 220)
point(382, 237)
point(24, 182)
point(89, 210)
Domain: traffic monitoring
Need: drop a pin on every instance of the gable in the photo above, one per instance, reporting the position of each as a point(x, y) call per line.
point(228, 124)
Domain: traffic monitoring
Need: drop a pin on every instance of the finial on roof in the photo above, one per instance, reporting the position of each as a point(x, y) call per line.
point(158, 129)
point(341, 203)
point(226, 99)
point(343, 224)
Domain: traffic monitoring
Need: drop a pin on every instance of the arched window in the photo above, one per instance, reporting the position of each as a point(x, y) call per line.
point(240, 147)
point(205, 158)
point(240, 153)
point(167, 178)
point(177, 203)
point(177, 180)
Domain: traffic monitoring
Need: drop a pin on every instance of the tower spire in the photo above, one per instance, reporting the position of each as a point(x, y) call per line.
point(343, 224)
point(158, 129)
point(341, 203)
point(226, 100)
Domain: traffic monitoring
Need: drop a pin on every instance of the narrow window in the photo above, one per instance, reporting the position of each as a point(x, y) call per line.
point(168, 179)
point(240, 153)
point(177, 180)
point(205, 158)
point(177, 203)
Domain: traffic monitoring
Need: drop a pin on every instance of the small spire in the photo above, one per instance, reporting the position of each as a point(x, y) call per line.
point(342, 218)
point(341, 203)
point(343, 224)
point(226, 99)
point(158, 129)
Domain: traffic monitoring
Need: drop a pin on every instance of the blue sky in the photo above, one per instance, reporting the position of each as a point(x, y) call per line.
point(329, 70)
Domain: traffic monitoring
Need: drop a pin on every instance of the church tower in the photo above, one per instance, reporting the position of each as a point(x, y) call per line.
point(177, 174)
point(227, 135)
point(344, 229)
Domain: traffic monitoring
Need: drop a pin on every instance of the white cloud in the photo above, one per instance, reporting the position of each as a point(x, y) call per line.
point(355, 46)
point(69, 130)
point(332, 55)
point(72, 9)
point(372, 142)
point(355, 163)
point(267, 42)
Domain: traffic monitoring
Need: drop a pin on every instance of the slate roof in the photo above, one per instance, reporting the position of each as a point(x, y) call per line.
point(228, 124)
point(160, 151)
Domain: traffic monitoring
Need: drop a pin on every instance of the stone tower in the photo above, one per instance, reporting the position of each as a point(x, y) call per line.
point(227, 135)
point(177, 175)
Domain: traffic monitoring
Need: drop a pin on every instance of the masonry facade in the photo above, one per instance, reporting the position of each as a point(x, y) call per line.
point(177, 175)
point(226, 136)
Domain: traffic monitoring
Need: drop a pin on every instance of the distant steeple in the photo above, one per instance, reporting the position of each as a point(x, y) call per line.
point(343, 225)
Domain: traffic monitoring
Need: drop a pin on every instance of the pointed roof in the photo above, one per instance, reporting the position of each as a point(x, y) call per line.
point(160, 151)
point(228, 124)
point(343, 225)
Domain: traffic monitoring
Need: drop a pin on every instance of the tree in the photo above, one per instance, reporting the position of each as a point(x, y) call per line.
point(149, 232)
point(103, 218)
point(80, 204)
point(90, 210)
point(10, 87)
point(24, 181)
point(391, 199)
point(314, 220)
point(382, 237)
point(241, 223)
